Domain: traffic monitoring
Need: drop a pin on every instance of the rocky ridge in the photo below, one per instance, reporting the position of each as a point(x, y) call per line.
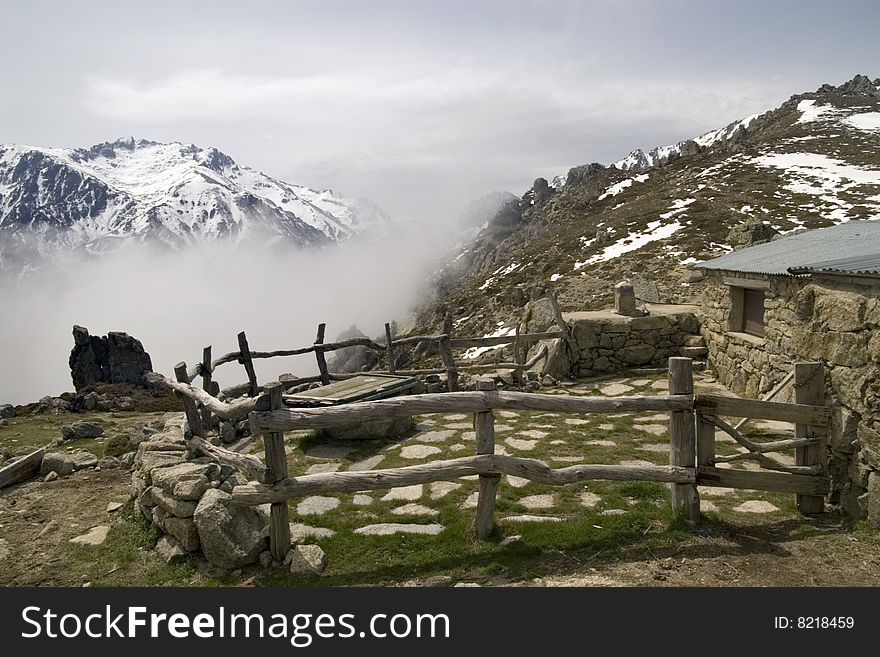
point(811, 162)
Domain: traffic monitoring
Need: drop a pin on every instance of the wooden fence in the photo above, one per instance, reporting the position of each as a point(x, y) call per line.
point(445, 342)
point(693, 420)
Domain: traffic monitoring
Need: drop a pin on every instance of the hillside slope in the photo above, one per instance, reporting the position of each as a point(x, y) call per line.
point(812, 162)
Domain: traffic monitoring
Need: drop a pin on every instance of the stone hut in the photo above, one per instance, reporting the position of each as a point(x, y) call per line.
point(814, 296)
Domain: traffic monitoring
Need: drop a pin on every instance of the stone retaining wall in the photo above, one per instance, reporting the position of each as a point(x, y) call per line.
point(834, 321)
point(610, 342)
point(188, 498)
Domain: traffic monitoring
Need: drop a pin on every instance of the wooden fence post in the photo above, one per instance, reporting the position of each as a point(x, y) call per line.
point(207, 380)
point(189, 406)
point(563, 325)
point(484, 426)
point(389, 349)
point(276, 470)
point(705, 441)
point(517, 375)
point(446, 355)
point(320, 357)
point(682, 439)
point(809, 388)
point(248, 363)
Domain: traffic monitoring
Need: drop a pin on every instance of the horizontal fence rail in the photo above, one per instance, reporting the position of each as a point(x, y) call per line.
point(466, 466)
point(290, 419)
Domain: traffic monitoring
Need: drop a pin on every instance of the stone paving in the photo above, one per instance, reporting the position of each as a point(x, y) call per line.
point(558, 439)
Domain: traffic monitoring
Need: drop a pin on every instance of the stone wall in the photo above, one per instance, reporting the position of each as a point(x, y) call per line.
point(608, 342)
point(188, 499)
point(832, 320)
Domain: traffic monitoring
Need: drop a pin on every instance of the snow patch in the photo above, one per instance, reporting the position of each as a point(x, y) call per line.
point(869, 121)
point(616, 188)
point(811, 112)
point(822, 176)
point(476, 352)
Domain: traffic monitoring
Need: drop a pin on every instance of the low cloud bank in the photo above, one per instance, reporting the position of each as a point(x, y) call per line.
point(176, 303)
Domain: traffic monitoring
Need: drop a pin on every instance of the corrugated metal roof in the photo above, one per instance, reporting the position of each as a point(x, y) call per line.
point(847, 240)
point(865, 265)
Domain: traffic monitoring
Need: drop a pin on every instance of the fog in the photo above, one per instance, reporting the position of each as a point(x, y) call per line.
point(176, 303)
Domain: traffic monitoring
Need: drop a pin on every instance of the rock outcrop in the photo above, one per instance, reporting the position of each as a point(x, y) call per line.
point(114, 358)
point(352, 359)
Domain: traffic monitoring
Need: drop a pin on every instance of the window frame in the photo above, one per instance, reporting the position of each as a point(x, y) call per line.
point(738, 291)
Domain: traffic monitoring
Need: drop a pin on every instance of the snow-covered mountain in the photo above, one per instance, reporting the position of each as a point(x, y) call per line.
point(638, 160)
point(56, 200)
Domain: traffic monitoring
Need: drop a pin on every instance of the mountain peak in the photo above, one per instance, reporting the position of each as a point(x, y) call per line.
point(860, 85)
point(57, 199)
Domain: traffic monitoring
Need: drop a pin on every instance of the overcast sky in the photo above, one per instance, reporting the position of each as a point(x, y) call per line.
point(418, 105)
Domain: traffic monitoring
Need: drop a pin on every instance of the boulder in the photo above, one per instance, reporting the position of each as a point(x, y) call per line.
point(58, 462)
point(114, 358)
point(170, 478)
point(79, 430)
point(169, 550)
point(645, 288)
point(231, 536)
point(751, 231)
point(305, 560)
point(90, 401)
point(538, 316)
point(7, 411)
point(558, 363)
point(352, 359)
point(173, 505)
point(83, 459)
point(108, 463)
point(184, 530)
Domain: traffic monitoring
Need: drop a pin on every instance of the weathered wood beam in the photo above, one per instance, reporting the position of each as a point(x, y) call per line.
point(288, 419)
point(768, 397)
point(764, 410)
point(389, 349)
point(247, 360)
point(276, 470)
point(683, 439)
point(532, 469)
point(189, 405)
point(446, 355)
point(21, 469)
point(769, 481)
point(227, 411)
point(484, 430)
point(320, 357)
point(207, 384)
point(809, 388)
point(250, 465)
point(771, 464)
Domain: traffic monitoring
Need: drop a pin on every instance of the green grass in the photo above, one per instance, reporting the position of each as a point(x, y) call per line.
point(584, 535)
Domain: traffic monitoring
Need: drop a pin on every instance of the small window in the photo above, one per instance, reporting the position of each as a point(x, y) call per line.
point(746, 310)
point(753, 312)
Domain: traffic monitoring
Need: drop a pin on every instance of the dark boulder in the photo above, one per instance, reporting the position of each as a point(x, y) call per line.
point(114, 358)
point(752, 231)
